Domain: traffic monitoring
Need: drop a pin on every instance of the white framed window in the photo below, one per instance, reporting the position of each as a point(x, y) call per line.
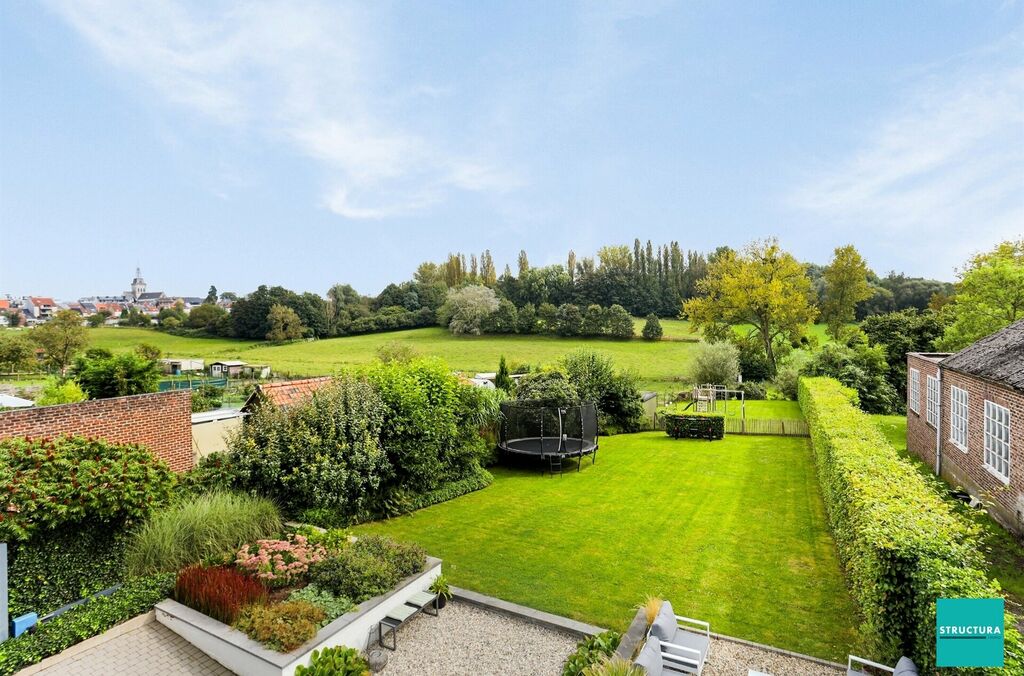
point(958, 417)
point(932, 402)
point(997, 440)
point(914, 391)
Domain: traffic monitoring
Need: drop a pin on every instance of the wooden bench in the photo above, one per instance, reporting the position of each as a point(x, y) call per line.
point(397, 616)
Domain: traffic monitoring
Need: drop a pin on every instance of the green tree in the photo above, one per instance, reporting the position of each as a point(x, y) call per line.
point(120, 375)
point(569, 320)
point(858, 366)
point(846, 284)
point(989, 296)
point(764, 287)
point(505, 319)
point(898, 333)
point(148, 351)
point(283, 324)
point(615, 393)
point(207, 317)
point(715, 364)
point(594, 320)
point(502, 380)
point(211, 295)
point(652, 328)
point(466, 309)
point(57, 391)
point(17, 352)
point(527, 319)
point(171, 317)
point(134, 317)
point(620, 324)
point(97, 319)
point(14, 318)
point(61, 338)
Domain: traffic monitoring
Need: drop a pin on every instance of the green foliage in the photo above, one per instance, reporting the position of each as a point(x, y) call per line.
point(332, 606)
point(619, 323)
point(479, 479)
point(548, 388)
point(614, 392)
point(989, 296)
point(63, 565)
point(396, 351)
point(442, 587)
point(715, 364)
point(860, 367)
point(502, 380)
point(590, 650)
point(213, 472)
point(207, 316)
point(370, 566)
point(17, 352)
point(207, 398)
point(209, 525)
point(331, 539)
point(695, 425)
point(283, 324)
point(504, 319)
point(568, 320)
point(250, 316)
point(322, 454)
point(613, 666)
point(898, 333)
point(134, 317)
point(846, 284)
point(48, 483)
point(902, 545)
point(61, 338)
point(102, 376)
point(281, 626)
point(135, 597)
point(336, 661)
point(98, 318)
point(433, 422)
point(652, 328)
point(466, 309)
point(764, 287)
point(57, 392)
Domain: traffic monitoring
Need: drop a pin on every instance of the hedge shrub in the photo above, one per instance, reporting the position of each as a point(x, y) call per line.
point(135, 597)
point(48, 482)
point(695, 425)
point(64, 565)
point(901, 544)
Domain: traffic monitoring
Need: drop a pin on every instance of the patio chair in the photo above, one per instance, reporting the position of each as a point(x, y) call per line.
point(905, 667)
point(684, 641)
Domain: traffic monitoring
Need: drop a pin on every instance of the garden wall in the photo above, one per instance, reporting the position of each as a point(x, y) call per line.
point(162, 422)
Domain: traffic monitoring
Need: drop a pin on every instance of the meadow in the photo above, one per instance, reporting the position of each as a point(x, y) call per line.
point(659, 364)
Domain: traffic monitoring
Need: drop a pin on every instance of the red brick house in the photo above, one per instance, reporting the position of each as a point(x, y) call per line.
point(965, 418)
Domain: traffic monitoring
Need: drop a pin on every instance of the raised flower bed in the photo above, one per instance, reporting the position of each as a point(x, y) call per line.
point(236, 651)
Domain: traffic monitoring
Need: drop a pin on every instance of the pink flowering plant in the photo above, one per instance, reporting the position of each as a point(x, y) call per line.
point(279, 563)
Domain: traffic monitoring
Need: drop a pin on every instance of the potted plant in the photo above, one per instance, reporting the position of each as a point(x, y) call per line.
point(443, 590)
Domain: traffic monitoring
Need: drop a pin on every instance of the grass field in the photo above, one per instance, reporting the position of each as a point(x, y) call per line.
point(733, 532)
point(1005, 555)
point(658, 364)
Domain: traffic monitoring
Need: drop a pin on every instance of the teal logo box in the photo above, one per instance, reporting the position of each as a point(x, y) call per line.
point(969, 633)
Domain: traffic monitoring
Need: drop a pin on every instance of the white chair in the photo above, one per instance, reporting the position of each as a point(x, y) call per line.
point(685, 642)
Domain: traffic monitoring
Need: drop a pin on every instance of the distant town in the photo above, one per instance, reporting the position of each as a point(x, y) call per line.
point(137, 299)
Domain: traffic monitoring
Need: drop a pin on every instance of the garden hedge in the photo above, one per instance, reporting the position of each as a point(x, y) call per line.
point(695, 425)
point(902, 545)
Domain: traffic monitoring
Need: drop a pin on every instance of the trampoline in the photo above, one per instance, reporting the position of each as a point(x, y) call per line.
point(551, 433)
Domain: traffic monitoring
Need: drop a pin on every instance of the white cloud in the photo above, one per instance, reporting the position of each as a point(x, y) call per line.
point(943, 173)
point(299, 71)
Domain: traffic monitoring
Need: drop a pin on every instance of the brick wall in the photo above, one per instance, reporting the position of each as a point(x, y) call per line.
point(921, 435)
point(161, 422)
point(967, 468)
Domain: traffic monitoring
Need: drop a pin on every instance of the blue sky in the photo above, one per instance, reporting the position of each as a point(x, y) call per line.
point(307, 143)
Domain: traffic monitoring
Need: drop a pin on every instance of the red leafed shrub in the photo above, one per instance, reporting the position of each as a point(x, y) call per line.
point(217, 591)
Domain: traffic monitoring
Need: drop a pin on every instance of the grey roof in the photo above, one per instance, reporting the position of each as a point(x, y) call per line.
point(151, 295)
point(998, 357)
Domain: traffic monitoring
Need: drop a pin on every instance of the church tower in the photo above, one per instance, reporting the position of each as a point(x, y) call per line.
point(138, 284)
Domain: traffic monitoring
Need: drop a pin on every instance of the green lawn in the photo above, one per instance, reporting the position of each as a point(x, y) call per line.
point(733, 532)
point(1005, 555)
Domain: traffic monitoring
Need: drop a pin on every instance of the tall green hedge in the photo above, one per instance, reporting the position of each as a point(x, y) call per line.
point(902, 545)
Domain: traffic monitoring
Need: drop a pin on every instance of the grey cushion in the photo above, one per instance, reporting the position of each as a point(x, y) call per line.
point(905, 667)
point(649, 658)
point(664, 626)
point(692, 640)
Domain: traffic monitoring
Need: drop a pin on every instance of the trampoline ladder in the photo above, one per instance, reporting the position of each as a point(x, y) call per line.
point(555, 463)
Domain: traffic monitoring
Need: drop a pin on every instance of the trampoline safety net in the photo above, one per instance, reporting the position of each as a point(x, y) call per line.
point(545, 430)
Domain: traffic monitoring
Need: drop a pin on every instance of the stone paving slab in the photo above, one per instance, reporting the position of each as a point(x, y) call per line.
point(149, 648)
